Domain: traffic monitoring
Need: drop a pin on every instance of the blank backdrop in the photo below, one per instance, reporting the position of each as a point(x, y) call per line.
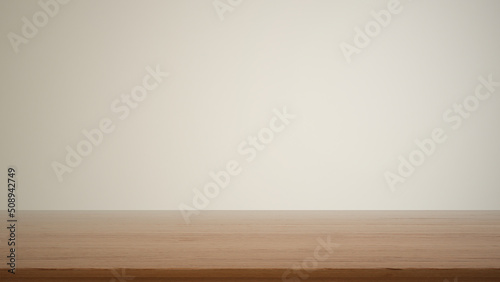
point(232, 65)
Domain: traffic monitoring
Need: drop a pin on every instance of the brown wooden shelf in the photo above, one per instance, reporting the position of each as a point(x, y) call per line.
point(255, 246)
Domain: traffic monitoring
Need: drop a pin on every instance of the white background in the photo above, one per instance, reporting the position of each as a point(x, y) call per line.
point(226, 77)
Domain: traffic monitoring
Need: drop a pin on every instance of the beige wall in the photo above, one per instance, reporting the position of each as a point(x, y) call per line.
point(232, 74)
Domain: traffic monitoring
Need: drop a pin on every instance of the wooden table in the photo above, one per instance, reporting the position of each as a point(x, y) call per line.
point(294, 246)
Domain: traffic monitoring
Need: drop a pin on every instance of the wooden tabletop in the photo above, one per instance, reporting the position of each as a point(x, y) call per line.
point(255, 246)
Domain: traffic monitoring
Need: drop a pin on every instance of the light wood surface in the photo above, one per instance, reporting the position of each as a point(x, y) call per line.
point(255, 246)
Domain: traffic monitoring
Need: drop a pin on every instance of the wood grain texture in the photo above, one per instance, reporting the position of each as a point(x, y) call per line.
point(255, 246)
